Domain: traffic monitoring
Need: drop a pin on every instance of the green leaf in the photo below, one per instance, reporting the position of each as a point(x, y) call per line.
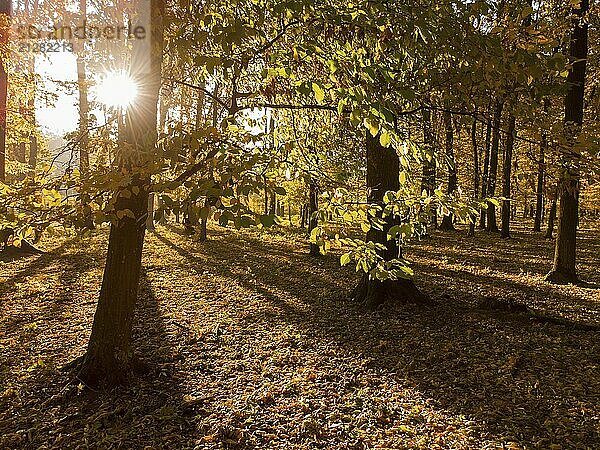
point(319, 92)
point(385, 139)
point(345, 259)
point(372, 125)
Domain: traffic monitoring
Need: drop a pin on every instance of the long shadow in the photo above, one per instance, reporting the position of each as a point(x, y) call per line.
point(526, 251)
point(149, 413)
point(500, 373)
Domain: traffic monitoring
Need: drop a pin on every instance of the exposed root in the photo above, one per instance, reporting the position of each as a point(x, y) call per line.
point(375, 293)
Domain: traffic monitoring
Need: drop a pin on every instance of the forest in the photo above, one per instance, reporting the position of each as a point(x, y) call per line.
point(300, 224)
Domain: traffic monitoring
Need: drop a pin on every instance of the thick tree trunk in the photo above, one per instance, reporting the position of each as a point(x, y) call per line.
point(448, 220)
point(476, 174)
point(506, 173)
point(313, 221)
point(108, 359)
point(539, 194)
point(493, 168)
point(383, 169)
point(564, 268)
point(486, 170)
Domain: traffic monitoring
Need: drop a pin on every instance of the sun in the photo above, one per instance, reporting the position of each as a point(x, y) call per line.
point(117, 90)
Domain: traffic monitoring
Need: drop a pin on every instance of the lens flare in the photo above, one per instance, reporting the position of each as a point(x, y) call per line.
point(117, 90)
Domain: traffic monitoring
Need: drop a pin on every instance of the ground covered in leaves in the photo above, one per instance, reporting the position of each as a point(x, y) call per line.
point(253, 344)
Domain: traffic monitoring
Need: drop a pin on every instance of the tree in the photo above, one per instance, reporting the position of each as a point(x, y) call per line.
point(507, 170)
point(563, 269)
point(429, 161)
point(539, 193)
point(493, 167)
point(552, 215)
point(383, 169)
point(108, 358)
point(447, 222)
point(313, 210)
point(486, 170)
point(5, 11)
point(476, 174)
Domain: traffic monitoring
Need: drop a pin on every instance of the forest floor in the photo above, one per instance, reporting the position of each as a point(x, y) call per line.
point(253, 344)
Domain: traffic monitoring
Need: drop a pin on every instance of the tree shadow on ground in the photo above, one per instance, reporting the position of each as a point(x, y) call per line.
point(517, 381)
point(54, 412)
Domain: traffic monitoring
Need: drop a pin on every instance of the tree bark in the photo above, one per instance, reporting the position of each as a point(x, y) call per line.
point(493, 168)
point(486, 171)
point(3, 98)
point(476, 174)
point(539, 194)
point(313, 208)
point(448, 220)
point(564, 267)
point(150, 218)
point(507, 172)
point(428, 175)
point(84, 158)
point(383, 171)
point(108, 359)
point(5, 9)
point(551, 217)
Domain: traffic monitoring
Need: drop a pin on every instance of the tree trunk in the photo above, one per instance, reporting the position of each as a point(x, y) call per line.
point(266, 201)
point(476, 174)
point(486, 170)
point(3, 98)
point(539, 194)
point(22, 150)
point(84, 158)
point(507, 172)
point(313, 221)
point(428, 176)
point(33, 151)
point(564, 268)
point(5, 9)
point(272, 205)
point(383, 170)
point(551, 217)
point(493, 168)
point(150, 218)
point(302, 216)
point(108, 359)
point(204, 222)
point(448, 220)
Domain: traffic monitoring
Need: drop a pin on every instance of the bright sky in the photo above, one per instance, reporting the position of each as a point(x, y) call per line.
point(63, 116)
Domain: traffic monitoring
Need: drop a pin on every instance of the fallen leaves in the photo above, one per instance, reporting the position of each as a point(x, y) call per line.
point(253, 345)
